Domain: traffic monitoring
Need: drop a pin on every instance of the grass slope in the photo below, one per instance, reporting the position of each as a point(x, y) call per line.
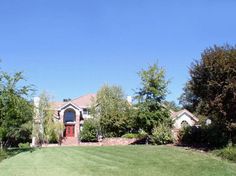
point(113, 161)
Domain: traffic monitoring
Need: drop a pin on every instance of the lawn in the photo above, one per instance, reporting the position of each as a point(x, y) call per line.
point(113, 161)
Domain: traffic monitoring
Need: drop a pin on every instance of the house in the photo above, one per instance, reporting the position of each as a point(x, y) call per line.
point(182, 119)
point(73, 113)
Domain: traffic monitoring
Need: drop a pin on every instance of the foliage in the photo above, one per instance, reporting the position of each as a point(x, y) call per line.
point(89, 133)
point(171, 105)
point(149, 110)
point(188, 100)
point(16, 111)
point(203, 136)
point(112, 111)
point(139, 135)
point(161, 134)
point(3, 155)
point(7, 153)
point(212, 87)
point(227, 153)
point(47, 128)
point(24, 145)
point(130, 135)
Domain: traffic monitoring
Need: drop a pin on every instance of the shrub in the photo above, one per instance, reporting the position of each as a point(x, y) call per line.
point(24, 145)
point(161, 134)
point(89, 131)
point(3, 155)
point(139, 135)
point(190, 135)
point(206, 136)
point(130, 135)
point(227, 153)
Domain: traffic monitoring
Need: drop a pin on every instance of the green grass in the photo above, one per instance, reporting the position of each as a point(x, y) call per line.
point(113, 161)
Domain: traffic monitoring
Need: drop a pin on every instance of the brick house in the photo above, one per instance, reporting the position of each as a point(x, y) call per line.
point(73, 113)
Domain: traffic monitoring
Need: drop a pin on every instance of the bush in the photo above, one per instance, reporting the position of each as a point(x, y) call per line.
point(205, 136)
point(161, 134)
point(24, 145)
point(139, 135)
point(130, 135)
point(227, 153)
point(89, 131)
point(3, 155)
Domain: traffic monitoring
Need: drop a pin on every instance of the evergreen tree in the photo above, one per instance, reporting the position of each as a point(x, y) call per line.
point(150, 97)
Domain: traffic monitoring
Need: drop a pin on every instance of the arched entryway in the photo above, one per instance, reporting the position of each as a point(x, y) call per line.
point(69, 121)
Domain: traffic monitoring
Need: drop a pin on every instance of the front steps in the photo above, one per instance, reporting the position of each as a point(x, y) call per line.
point(70, 141)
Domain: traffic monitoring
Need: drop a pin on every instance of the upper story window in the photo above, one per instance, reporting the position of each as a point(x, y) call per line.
point(85, 111)
point(69, 116)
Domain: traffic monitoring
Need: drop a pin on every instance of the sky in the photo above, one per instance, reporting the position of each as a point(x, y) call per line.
point(71, 48)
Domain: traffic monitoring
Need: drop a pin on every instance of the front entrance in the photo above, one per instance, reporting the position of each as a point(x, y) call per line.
point(69, 130)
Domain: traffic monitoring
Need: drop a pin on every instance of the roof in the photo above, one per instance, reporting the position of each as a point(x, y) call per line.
point(57, 105)
point(84, 101)
point(175, 115)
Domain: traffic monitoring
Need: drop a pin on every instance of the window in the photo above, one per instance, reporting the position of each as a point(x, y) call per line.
point(85, 111)
point(184, 124)
point(69, 116)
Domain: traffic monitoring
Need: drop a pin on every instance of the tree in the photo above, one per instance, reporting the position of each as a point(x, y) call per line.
point(171, 105)
point(188, 100)
point(46, 127)
point(16, 112)
point(112, 110)
point(89, 133)
point(150, 111)
point(212, 86)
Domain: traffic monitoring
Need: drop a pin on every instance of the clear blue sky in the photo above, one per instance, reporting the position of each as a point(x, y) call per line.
point(71, 48)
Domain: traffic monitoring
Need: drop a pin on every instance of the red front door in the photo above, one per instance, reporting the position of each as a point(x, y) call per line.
point(69, 131)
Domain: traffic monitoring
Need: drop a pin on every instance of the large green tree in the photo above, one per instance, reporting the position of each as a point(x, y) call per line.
point(16, 111)
point(112, 111)
point(211, 90)
point(150, 111)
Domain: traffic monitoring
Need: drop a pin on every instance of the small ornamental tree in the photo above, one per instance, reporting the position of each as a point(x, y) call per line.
point(48, 129)
point(150, 97)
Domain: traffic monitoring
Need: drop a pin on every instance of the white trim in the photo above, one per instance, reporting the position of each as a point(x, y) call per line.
point(185, 111)
point(68, 104)
point(70, 123)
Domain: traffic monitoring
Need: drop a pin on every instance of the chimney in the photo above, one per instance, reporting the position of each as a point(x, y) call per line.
point(129, 99)
point(36, 101)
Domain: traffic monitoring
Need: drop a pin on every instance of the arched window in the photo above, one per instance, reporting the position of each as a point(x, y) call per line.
point(184, 124)
point(69, 116)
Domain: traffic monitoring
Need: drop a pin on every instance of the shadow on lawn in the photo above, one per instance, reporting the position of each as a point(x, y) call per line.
point(4, 154)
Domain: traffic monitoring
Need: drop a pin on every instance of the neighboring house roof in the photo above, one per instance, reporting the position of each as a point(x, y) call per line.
point(175, 115)
point(84, 101)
